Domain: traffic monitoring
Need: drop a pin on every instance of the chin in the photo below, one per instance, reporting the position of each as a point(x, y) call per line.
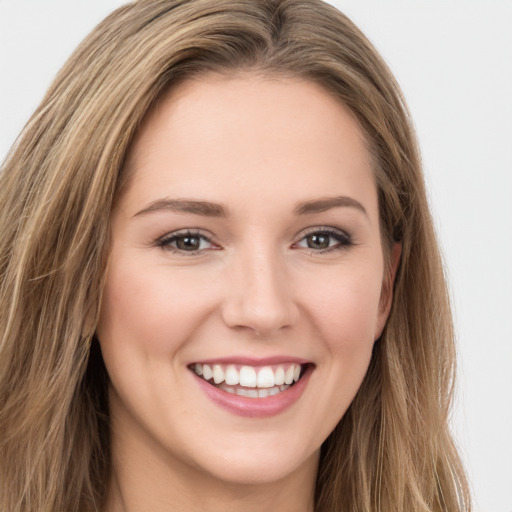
point(249, 465)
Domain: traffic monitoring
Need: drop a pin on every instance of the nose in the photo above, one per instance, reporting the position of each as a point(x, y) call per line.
point(259, 296)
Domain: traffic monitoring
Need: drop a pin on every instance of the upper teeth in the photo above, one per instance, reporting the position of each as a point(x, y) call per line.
point(249, 376)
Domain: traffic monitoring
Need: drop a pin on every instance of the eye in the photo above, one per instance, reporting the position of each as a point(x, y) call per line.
point(186, 242)
point(322, 240)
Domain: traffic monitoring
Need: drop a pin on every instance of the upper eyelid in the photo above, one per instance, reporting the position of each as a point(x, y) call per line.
point(314, 229)
point(183, 232)
point(322, 229)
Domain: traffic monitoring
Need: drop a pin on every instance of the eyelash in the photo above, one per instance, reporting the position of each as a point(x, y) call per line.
point(166, 241)
point(344, 241)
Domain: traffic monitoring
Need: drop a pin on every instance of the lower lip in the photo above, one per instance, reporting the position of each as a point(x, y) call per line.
point(256, 407)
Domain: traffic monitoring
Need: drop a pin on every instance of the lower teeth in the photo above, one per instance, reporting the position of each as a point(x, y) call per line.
point(253, 392)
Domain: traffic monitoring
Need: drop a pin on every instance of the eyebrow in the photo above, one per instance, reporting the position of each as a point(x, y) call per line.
point(210, 209)
point(324, 204)
point(204, 208)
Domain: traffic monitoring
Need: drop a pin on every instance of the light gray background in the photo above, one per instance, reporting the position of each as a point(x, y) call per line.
point(453, 60)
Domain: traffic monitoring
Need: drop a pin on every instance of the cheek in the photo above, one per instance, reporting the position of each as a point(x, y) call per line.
point(146, 318)
point(152, 310)
point(345, 308)
point(348, 332)
point(342, 310)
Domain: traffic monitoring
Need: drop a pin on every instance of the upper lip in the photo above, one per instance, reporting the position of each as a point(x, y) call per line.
point(252, 361)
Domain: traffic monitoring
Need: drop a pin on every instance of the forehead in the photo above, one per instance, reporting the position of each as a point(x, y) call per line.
point(249, 134)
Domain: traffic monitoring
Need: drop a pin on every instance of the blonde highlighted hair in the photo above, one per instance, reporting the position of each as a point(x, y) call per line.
point(392, 451)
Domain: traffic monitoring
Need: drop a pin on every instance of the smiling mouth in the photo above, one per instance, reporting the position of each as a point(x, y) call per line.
point(250, 381)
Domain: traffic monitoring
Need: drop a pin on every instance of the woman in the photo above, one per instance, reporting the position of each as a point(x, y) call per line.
point(220, 282)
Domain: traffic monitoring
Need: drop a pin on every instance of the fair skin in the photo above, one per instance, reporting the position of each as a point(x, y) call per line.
point(247, 236)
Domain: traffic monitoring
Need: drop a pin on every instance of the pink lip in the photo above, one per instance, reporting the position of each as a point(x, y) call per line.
point(256, 407)
point(249, 361)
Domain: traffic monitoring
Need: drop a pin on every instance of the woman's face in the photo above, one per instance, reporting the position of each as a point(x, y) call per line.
point(245, 248)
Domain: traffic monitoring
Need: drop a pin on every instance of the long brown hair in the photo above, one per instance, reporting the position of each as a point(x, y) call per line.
point(392, 451)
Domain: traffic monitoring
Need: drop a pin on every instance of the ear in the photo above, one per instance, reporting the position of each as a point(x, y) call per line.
point(386, 294)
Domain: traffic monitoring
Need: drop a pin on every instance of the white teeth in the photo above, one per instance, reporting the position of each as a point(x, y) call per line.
point(218, 374)
point(279, 376)
point(249, 393)
point(248, 377)
point(207, 372)
point(288, 378)
point(231, 376)
point(253, 393)
point(263, 393)
point(266, 378)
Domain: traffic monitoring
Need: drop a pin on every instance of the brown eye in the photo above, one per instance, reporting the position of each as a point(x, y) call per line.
point(324, 240)
point(318, 241)
point(188, 242)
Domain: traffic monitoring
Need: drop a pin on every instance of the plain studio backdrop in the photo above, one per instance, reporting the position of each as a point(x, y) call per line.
point(453, 60)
